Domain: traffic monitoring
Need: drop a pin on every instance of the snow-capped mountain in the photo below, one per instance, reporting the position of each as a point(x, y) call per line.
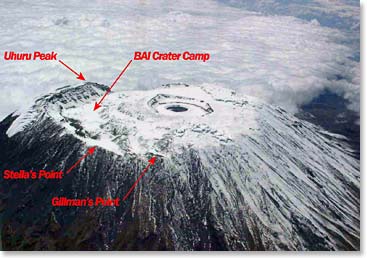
point(232, 173)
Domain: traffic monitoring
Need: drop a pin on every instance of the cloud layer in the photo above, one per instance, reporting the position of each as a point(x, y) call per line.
point(284, 60)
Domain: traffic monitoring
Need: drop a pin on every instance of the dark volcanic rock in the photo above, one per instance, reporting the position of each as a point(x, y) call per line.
point(285, 188)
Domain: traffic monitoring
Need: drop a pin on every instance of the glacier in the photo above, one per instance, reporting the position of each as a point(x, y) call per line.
point(232, 172)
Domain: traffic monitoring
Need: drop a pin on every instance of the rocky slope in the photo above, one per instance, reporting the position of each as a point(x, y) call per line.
point(232, 173)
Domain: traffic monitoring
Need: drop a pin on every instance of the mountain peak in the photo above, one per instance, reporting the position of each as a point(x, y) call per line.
point(247, 162)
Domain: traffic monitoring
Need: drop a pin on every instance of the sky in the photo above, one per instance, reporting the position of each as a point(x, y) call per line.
point(283, 52)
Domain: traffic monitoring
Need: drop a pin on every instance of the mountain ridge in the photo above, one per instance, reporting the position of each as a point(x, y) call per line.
point(245, 176)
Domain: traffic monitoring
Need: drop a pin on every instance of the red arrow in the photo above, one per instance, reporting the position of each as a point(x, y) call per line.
point(90, 152)
point(151, 163)
point(80, 75)
point(98, 105)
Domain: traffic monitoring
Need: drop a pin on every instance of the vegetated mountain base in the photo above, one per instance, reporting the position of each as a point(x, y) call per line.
point(232, 173)
point(330, 111)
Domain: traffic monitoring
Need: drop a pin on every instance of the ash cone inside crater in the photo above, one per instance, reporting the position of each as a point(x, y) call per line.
point(177, 108)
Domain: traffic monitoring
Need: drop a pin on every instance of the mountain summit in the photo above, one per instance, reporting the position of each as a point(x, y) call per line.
point(230, 173)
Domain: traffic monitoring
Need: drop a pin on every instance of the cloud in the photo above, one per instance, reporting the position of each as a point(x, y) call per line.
point(283, 60)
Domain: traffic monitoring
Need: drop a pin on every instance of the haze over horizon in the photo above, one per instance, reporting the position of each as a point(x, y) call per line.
point(285, 53)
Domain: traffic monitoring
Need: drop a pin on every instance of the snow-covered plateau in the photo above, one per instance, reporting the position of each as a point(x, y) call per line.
point(233, 173)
